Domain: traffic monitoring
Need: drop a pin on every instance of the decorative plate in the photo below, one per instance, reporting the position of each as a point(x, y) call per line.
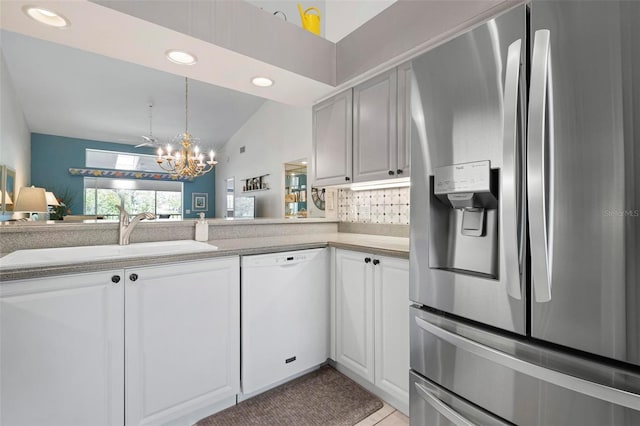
point(317, 195)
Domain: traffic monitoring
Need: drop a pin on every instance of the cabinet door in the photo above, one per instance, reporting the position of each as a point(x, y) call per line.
point(62, 350)
point(354, 313)
point(182, 339)
point(404, 120)
point(332, 140)
point(391, 278)
point(375, 153)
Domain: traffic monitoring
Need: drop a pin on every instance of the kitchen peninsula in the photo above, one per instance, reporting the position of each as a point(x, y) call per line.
point(79, 316)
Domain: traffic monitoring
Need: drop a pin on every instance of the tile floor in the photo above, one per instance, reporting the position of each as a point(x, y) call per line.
point(386, 416)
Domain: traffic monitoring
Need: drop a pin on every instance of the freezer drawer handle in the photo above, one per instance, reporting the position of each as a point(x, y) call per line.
point(442, 408)
point(595, 390)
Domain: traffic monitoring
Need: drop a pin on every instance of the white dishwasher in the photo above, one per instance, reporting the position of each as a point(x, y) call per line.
point(285, 316)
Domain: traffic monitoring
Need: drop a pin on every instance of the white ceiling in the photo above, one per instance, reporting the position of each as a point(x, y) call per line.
point(66, 90)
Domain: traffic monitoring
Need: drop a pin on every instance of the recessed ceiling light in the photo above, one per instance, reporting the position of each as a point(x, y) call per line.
point(180, 57)
point(45, 16)
point(262, 81)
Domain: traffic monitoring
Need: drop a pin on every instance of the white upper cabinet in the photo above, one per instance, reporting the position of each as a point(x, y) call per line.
point(370, 137)
point(332, 140)
point(62, 350)
point(405, 122)
point(182, 339)
point(382, 126)
point(375, 154)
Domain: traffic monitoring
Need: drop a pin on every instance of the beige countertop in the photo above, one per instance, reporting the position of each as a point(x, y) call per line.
point(375, 244)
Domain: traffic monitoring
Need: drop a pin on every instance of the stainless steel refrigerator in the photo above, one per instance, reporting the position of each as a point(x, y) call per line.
point(525, 220)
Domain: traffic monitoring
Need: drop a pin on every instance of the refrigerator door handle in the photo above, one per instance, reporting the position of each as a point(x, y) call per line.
point(452, 415)
point(510, 165)
point(576, 384)
point(538, 161)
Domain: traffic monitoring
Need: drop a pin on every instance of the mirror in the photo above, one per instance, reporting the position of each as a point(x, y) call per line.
point(81, 101)
point(295, 189)
point(88, 96)
point(7, 190)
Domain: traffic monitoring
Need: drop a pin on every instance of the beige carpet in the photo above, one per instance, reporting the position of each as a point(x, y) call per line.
point(323, 397)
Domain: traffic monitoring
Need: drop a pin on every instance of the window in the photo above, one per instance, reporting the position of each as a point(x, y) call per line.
point(121, 161)
point(103, 195)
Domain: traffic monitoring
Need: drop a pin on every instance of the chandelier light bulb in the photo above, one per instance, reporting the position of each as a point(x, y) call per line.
point(188, 161)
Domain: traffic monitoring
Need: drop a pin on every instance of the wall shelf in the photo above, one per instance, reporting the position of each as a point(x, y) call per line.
point(255, 184)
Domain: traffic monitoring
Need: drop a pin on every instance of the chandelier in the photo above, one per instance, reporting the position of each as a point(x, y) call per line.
point(187, 161)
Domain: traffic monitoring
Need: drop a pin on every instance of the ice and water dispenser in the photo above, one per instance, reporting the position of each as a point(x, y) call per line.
point(463, 234)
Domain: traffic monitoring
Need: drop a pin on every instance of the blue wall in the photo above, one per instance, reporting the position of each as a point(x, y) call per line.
point(52, 156)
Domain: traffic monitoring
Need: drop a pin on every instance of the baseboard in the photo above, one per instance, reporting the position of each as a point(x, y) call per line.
point(398, 404)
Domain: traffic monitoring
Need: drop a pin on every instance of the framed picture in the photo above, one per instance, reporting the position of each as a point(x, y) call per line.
point(199, 201)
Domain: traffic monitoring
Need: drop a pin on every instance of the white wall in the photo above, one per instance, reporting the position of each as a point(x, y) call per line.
point(342, 17)
point(274, 135)
point(15, 136)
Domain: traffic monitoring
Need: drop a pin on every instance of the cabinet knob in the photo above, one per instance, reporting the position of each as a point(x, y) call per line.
point(391, 173)
point(115, 279)
point(347, 178)
point(367, 259)
point(376, 261)
point(133, 277)
point(399, 171)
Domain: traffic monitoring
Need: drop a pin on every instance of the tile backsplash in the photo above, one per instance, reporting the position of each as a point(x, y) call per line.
point(390, 206)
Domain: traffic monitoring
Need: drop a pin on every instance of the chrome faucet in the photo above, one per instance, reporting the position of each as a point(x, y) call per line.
point(126, 226)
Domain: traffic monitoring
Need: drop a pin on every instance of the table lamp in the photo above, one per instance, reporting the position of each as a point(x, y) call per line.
point(31, 200)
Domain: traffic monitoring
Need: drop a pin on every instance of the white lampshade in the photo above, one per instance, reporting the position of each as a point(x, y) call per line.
point(31, 199)
point(7, 199)
point(51, 199)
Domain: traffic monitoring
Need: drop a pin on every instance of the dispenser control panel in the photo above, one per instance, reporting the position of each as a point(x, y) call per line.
point(466, 177)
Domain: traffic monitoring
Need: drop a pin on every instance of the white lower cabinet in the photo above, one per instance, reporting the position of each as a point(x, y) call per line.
point(354, 312)
point(145, 345)
point(62, 350)
point(372, 320)
point(182, 340)
point(391, 325)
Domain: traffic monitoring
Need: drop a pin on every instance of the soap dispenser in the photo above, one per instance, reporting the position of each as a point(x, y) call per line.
point(202, 229)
